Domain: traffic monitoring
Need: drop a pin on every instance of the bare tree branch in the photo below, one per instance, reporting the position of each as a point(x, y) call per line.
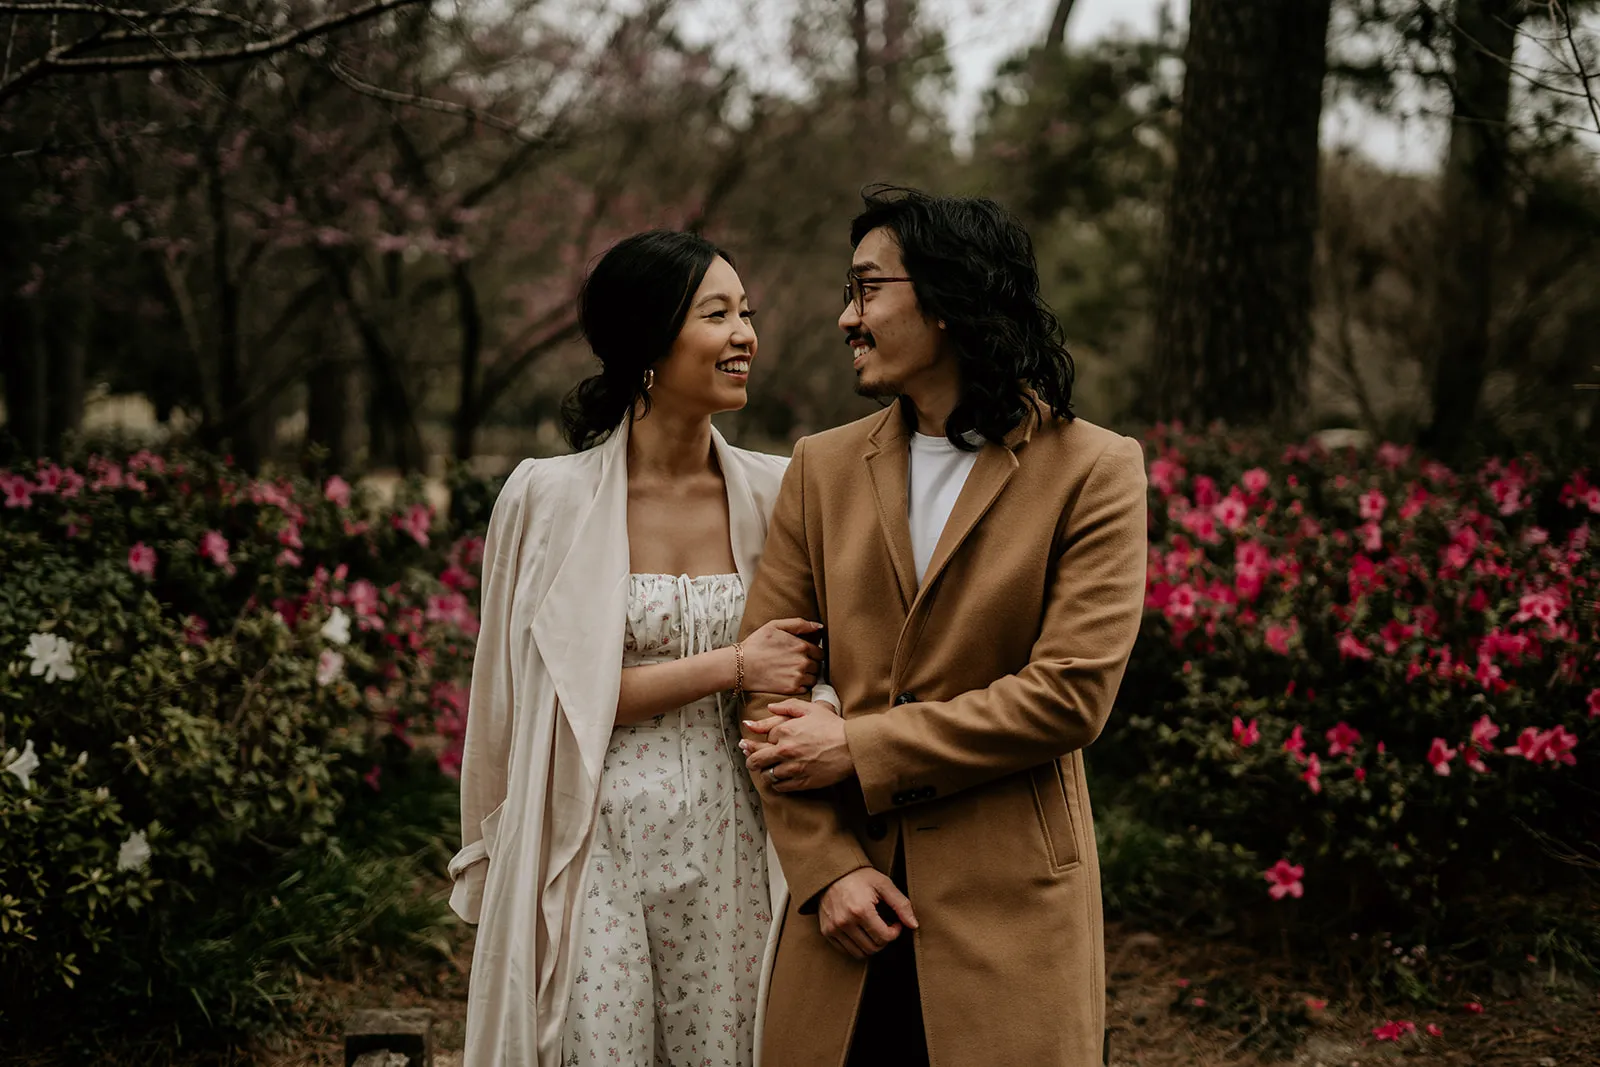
point(1561, 13)
point(428, 103)
point(65, 58)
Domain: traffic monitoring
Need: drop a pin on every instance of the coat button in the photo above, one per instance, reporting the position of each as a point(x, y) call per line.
point(906, 698)
point(898, 799)
point(877, 829)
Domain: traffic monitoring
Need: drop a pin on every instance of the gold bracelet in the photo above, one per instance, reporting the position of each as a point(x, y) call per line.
point(738, 668)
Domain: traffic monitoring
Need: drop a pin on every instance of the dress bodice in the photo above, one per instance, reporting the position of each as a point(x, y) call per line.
point(673, 616)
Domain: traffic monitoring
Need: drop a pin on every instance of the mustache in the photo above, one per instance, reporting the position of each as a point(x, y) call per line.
point(851, 336)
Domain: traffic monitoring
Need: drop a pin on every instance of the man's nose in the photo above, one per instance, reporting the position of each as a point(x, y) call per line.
point(849, 318)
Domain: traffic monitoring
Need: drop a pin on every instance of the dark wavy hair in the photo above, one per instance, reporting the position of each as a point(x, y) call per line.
point(631, 309)
point(972, 266)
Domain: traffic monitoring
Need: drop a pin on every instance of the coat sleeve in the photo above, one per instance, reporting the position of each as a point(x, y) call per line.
point(486, 753)
point(1061, 699)
point(815, 846)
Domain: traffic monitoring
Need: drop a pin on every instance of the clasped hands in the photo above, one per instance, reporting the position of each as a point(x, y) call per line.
point(805, 747)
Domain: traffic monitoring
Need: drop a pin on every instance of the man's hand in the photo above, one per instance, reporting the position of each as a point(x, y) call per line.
point(805, 747)
point(848, 913)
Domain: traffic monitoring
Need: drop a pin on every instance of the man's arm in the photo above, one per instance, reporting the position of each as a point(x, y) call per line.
point(815, 846)
point(1058, 702)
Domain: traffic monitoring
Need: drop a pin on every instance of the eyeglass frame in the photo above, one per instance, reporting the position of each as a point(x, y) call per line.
point(855, 289)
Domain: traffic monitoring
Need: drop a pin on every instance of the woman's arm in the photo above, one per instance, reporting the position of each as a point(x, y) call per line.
point(662, 687)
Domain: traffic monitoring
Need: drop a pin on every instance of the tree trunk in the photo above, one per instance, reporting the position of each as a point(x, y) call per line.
point(22, 358)
point(328, 394)
point(1233, 329)
point(1056, 36)
point(469, 407)
point(1471, 215)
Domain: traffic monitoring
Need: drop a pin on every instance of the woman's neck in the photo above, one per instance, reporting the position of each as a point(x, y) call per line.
point(663, 445)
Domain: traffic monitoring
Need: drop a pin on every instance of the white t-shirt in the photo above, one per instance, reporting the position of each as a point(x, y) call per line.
point(936, 471)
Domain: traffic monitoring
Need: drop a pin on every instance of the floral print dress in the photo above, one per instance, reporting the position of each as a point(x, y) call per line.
point(675, 906)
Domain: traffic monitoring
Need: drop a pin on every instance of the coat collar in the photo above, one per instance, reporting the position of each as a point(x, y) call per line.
point(887, 465)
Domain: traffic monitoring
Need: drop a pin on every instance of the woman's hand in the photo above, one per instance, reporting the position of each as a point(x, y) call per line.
point(778, 660)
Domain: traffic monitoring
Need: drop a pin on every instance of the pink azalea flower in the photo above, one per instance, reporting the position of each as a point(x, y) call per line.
point(1371, 535)
point(18, 490)
point(145, 460)
point(1594, 703)
point(1277, 638)
point(1373, 504)
point(1342, 738)
point(1206, 495)
point(1559, 743)
point(214, 546)
point(1434, 1031)
point(1351, 647)
point(1534, 536)
point(337, 491)
point(1393, 456)
point(1295, 744)
point(1285, 880)
point(142, 560)
point(1440, 755)
point(1255, 481)
point(1245, 736)
point(1316, 1003)
point(1231, 512)
point(1313, 773)
point(1472, 1007)
point(50, 478)
point(288, 558)
point(415, 522)
point(1361, 774)
point(1182, 603)
point(1545, 605)
point(71, 484)
point(1394, 1031)
point(1165, 475)
point(195, 630)
point(372, 777)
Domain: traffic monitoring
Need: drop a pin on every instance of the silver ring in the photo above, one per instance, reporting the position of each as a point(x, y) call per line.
point(772, 774)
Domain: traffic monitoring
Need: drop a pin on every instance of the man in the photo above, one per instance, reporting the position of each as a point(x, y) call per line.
point(977, 556)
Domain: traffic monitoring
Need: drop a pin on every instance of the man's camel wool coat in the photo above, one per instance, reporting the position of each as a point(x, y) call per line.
point(968, 701)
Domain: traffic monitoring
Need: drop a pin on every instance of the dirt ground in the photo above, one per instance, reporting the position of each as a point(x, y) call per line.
point(1172, 1000)
point(1154, 983)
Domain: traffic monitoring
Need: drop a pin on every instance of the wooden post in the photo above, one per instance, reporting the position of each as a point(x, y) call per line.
point(401, 1038)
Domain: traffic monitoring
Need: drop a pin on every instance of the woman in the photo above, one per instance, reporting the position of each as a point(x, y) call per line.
point(614, 856)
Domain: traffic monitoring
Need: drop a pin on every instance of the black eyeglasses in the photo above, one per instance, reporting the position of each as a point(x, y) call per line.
point(855, 289)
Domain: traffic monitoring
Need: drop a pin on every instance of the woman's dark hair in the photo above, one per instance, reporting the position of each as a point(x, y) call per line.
point(632, 306)
point(972, 267)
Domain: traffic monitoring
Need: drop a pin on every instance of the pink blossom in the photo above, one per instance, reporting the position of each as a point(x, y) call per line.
point(337, 491)
point(1558, 745)
point(1434, 1031)
point(1313, 773)
point(214, 546)
point(18, 490)
point(1360, 774)
point(1277, 638)
point(1535, 535)
point(1245, 736)
point(1182, 603)
point(1342, 738)
point(1474, 759)
point(1594, 703)
point(1255, 480)
point(71, 484)
point(364, 600)
point(1315, 1003)
point(1231, 512)
point(1440, 755)
point(1393, 456)
point(1285, 880)
point(1484, 731)
point(1373, 505)
point(452, 610)
point(415, 522)
point(372, 776)
point(195, 630)
point(1394, 1031)
point(1507, 493)
point(1371, 535)
point(1206, 495)
point(1351, 647)
point(1544, 605)
point(50, 480)
point(142, 560)
point(1165, 475)
point(1472, 1007)
point(1295, 744)
point(288, 558)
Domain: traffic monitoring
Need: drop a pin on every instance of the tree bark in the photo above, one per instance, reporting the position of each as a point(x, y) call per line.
point(469, 409)
point(1233, 328)
point(1056, 35)
point(1472, 216)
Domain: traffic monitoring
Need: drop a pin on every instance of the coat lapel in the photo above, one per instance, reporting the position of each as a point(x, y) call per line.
point(886, 467)
point(993, 469)
point(747, 528)
point(580, 622)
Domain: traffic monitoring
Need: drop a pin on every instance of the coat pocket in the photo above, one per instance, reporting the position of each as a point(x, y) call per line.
point(1050, 801)
point(490, 825)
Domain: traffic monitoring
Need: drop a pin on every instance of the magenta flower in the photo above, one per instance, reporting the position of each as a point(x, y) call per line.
point(142, 560)
point(1255, 480)
point(1373, 505)
point(1295, 744)
point(1277, 638)
point(18, 491)
point(1394, 1031)
point(337, 491)
point(214, 547)
point(415, 522)
point(1313, 773)
point(1350, 647)
point(1594, 703)
point(1342, 738)
point(71, 484)
point(1439, 756)
point(1231, 512)
point(1285, 880)
point(1245, 736)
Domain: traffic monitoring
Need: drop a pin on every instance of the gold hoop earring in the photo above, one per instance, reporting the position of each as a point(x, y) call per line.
point(649, 378)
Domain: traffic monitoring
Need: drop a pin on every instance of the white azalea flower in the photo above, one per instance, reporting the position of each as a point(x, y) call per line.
point(83, 757)
point(329, 666)
point(24, 765)
point(135, 852)
point(336, 630)
point(52, 657)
